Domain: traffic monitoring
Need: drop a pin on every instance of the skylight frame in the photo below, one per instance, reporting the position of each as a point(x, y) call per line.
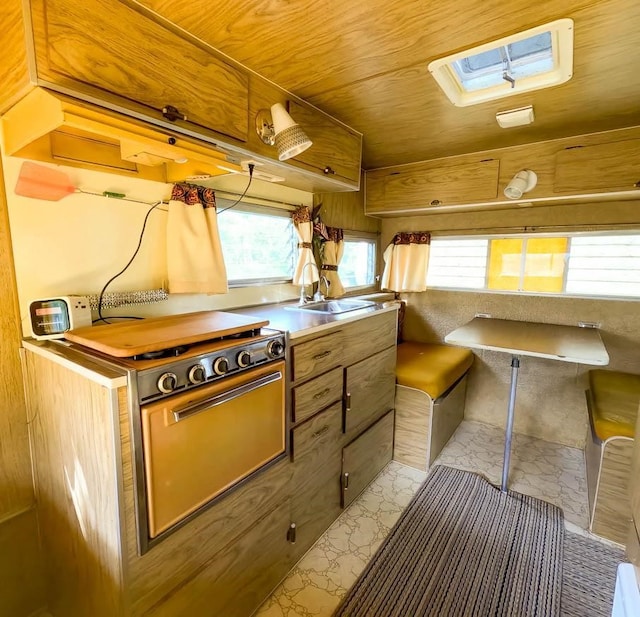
point(562, 45)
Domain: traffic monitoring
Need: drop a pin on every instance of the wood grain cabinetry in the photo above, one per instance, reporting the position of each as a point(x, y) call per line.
point(107, 49)
point(336, 148)
point(317, 356)
point(315, 491)
point(370, 387)
point(599, 166)
point(365, 457)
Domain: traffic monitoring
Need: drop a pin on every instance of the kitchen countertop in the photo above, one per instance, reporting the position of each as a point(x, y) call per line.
point(304, 323)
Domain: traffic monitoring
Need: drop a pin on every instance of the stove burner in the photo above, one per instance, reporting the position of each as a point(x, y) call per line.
point(172, 352)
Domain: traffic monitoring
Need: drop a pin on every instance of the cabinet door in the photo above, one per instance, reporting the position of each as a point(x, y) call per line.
point(614, 167)
point(240, 577)
point(366, 336)
point(101, 48)
point(315, 495)
point(365, 457)
point(434, 184)
point(336, 149)
point(370, 387)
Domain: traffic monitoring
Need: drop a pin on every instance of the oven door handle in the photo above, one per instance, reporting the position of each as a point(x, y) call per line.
point(229, 395)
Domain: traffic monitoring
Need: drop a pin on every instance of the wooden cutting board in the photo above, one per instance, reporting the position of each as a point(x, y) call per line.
point(134, 337)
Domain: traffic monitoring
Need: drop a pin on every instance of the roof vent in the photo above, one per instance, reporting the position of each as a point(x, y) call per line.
point(536, 58)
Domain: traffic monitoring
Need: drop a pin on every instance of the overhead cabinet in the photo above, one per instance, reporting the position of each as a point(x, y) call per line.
point(108, 50)
point(586, 168)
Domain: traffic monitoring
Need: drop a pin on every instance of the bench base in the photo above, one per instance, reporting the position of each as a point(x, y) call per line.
point(424, 425)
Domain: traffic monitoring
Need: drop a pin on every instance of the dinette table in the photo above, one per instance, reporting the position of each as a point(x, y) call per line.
point(581, 345)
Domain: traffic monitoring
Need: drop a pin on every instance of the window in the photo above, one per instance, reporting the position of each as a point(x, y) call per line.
point(358, 264)
point(259, 244)
point(533, 59)
point(595, 265)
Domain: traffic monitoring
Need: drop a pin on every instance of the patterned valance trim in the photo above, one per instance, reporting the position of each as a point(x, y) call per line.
point(302, 214)
point(412, 237)
point(191, 195)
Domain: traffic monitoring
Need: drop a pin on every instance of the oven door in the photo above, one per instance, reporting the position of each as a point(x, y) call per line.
point(200, 443)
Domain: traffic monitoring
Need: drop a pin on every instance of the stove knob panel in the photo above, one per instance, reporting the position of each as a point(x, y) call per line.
point(243, 359)
point(167, 382)
point(197, 374)
point(275, 349)
point(220, 365)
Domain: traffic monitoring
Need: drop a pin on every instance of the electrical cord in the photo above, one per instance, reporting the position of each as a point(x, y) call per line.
point(250, 166)
point(115, 276)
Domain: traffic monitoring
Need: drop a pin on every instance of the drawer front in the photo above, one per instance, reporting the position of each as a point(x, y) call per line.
point(317, 394)
point(314, 440)
point(317, 356)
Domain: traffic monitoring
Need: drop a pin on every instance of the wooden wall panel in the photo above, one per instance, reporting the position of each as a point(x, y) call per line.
point(19, 553)
point(346, 210)
point(77, 490)
point(21, 577)
point(14, 72)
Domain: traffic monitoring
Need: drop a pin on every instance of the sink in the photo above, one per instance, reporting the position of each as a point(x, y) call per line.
point(332, 307)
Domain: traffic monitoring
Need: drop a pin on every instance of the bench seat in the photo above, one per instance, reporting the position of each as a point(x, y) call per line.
point(613, 399)
point(431, 368)
point(431, 382)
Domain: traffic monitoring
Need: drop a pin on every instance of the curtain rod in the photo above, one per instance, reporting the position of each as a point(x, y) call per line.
point(279, 202)
point(536, 228)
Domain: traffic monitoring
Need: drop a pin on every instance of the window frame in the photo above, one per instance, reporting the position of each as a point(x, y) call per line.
point(524, 236)
point(374, 238)
point(243, 206)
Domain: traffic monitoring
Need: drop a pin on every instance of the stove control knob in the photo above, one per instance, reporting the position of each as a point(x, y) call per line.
point(243, 359)
point(167, 382)
point(197, 374)
point(220, 365)
point(275, 349)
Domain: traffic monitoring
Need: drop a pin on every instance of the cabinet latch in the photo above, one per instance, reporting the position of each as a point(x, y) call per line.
point(172, 114)
point(291, 533)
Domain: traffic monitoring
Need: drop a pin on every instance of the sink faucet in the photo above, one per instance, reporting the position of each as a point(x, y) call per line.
point(320, 296)
point(303, 296)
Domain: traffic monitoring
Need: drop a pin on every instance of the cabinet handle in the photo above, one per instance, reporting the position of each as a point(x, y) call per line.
point(327, 170)
point(322, 393)
point(637, 184)
point(322, 431)
point(436, 202)
point(172, 114)
point(348, 402)
point(345, 480)
point(324, 354)
point(291, 533)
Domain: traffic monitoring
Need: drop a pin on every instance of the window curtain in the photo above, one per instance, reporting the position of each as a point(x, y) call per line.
point(195, 263)
point(332, 250)
point(406, 260)
point(304, 228)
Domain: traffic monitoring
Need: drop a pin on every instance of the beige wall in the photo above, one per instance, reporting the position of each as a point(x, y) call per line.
point(73, 246)
point(550, 398)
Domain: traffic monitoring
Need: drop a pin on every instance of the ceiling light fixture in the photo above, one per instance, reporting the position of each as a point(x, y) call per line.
point(515, 117)
point(277, 128)
point(523, 182)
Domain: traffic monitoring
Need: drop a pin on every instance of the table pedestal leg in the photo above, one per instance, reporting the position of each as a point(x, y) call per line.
point(515, 365)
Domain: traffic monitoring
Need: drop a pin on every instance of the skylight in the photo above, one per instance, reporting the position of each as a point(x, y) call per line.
point(537, 58)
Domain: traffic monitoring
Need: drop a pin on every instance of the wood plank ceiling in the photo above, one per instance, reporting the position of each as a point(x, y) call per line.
point(366, 64)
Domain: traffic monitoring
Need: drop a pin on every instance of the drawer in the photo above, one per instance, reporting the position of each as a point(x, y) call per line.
point(317, 356)
point(316, 394)
point(314, 440)
point(366, 336)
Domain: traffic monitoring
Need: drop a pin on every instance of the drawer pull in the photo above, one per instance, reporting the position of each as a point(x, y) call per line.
point(291, 533)
point(345, 480)
point(348, 402)
point(324, 354)
point(322, 431)
point(322, 393)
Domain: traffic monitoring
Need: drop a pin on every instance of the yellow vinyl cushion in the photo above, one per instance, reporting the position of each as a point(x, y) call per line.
point(431, 368)
point(615, 397)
